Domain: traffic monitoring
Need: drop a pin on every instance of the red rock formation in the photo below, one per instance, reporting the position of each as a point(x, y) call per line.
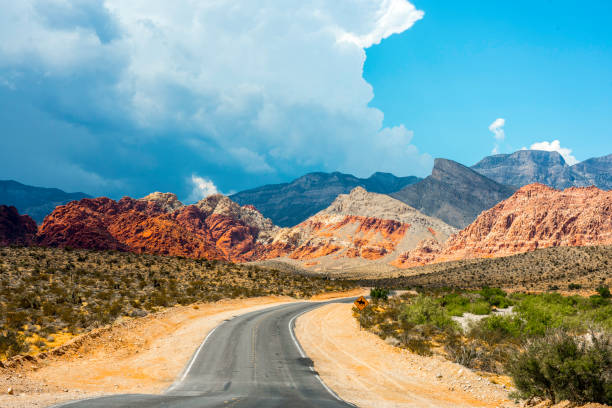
point(15, 229)
point(535, 216)
point(146, 227)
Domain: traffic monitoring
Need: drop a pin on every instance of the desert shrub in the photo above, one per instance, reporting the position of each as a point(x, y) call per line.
point(12, 343)
point(574, 286)
point(365, 317)
point(560, 366)
point(604, 292)
point(379, 293)
point(479, 307)
point(425, 310)
point(496, 329)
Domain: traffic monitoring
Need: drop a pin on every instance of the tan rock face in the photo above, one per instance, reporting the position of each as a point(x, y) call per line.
point(369, 226)
point(168, 201)
point(536, 216)
point(219, 204)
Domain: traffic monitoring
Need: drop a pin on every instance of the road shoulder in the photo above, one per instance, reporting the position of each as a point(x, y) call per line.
point(364, 370)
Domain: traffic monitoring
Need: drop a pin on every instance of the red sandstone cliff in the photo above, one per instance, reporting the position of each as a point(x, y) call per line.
point(148, 227)
point(15, 229)
point(535, 216)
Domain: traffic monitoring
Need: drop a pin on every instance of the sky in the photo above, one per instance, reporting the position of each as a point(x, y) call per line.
point(195, 97)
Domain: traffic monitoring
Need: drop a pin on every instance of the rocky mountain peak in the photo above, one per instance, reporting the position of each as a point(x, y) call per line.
point(218, 204)
point(362, 203)
point(167, 201)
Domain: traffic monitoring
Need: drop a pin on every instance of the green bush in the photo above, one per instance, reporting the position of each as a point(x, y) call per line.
point(379, 293)
point(574, 286)
point(560, 366)
point(496, 329)
point(604, 292)
point(425, 310)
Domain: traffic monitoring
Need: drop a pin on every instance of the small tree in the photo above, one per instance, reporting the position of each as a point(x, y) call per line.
point(379, 293)
point(560, 366)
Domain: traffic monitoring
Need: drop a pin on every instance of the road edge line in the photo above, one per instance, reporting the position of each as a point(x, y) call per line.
point(291, 327)
point(192, 360)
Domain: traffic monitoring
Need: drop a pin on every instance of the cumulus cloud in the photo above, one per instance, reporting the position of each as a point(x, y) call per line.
point(201, 188)
point(555, 146)
point(497, 127)
point(245, 87)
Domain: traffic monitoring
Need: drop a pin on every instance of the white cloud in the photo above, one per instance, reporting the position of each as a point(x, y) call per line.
point(497, 127)
point(555, 146)
point(201, 188)
point(271, 85)
point(395, 16)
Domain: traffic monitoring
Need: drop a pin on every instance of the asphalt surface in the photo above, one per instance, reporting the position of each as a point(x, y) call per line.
point(253, 360)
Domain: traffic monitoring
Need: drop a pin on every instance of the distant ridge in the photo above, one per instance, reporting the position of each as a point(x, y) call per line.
point(454, 193)
point(288, 204)
point(37, 202)
point(535, 166)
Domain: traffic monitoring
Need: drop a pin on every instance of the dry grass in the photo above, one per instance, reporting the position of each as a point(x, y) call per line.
point(49, 295)
point(551, 268)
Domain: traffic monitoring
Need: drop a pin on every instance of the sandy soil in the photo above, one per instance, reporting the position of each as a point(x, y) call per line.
point(142, 355)
point(363, 369)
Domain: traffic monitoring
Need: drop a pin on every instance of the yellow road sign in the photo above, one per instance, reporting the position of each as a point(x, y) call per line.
point(361, 303)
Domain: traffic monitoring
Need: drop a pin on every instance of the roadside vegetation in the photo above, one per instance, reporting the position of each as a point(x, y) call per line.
point(48, 295)
point(553, 346)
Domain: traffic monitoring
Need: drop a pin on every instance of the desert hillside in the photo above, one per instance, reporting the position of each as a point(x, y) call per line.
point(585, 268)
point(48, 295)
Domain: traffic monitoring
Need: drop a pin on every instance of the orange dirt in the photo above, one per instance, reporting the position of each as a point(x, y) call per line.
point(366, 371)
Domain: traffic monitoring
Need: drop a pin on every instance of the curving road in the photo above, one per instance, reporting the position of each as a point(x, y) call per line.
point(253, 360)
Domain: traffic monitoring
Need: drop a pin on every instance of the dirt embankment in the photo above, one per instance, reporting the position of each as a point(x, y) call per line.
point(363, 369)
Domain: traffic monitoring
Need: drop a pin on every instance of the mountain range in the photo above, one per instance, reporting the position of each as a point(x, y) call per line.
point(452, 192)
point(360, 232)
point(535, 166)
point(288, 204)
point(37, 202)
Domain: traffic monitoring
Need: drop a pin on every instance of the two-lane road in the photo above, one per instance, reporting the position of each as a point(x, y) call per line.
point(252, 360)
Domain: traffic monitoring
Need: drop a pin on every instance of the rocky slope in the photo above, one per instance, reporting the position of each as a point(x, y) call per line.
point(536, 216)
point(15, 229)
point(453, 193)
point(213, 228)
point(167, 201)
point(37, 202)
point(357, 227)
point(534, 166)
point(288, 204)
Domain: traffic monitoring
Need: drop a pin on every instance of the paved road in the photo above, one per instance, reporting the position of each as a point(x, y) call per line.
point(249, 361)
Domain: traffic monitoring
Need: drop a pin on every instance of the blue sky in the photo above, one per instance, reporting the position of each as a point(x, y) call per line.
point(124, 98)
point(543, 66)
